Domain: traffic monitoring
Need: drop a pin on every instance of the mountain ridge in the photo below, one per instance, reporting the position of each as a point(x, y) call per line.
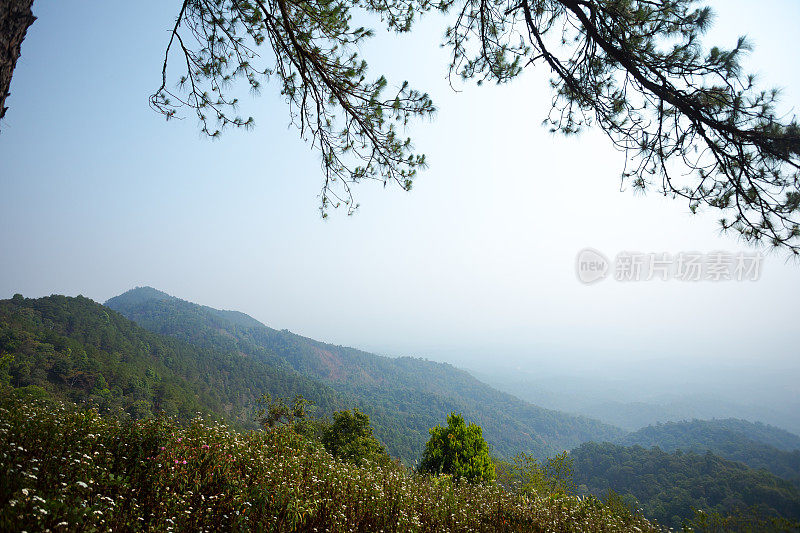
point(77, 349)
point(404, 396)
point(683, 430)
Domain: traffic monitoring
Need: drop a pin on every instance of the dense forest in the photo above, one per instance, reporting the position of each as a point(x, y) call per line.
point(698, 433)
point(222, 362)
point(403, 396)
point(79, 350)
point(670, 487)
point(756, 445)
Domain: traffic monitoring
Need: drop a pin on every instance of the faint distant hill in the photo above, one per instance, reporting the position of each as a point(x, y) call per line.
point(635, 415)
point(630, 403)
point(404, 396)
point(754, 444)
point(674, 435)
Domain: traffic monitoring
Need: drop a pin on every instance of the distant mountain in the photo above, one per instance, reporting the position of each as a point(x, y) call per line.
point(669, 487)
point(636, 415)
point(403, 396)
point(639, 395)
point(78, 350)
point(756, 445)
point(687, 434)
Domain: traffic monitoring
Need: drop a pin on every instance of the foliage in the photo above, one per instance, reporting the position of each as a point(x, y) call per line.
point(349, 437)
point(76, 349)
point(744, 521)
point(403, 397)
point(691, 433)
point(523, 474)
point(619, 505)
point(671, 487)
point(756, 445)
point(279, 412)
point(691, 123)
point(70, 469)
point(526, 475)
point(314, 58)
point(558, 471)
point(458, 450)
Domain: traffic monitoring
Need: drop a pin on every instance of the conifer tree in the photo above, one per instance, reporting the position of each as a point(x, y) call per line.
point(692, 124)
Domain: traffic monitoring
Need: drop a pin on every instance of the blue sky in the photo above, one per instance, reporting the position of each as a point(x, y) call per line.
point(100, 194)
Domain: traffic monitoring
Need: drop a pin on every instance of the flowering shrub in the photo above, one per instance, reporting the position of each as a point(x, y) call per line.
point(68, 469)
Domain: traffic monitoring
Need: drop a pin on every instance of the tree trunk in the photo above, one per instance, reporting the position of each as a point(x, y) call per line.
point(15, 19)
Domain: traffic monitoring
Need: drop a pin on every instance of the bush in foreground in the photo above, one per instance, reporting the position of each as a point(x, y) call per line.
point(68, 469)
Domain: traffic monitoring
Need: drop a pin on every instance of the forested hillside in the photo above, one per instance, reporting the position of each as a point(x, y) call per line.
point(222, 362)
point(754, 444)
point(77, 349)
point(403, 396)
point(670, 487)
point(710, 433)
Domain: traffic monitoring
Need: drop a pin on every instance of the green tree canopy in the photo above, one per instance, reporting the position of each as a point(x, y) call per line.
point(458, 450)
point(277, 412)
point(527, 475)
point(349, 437)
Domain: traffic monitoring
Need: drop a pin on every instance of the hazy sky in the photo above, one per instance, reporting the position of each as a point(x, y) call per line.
point(99, 194)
